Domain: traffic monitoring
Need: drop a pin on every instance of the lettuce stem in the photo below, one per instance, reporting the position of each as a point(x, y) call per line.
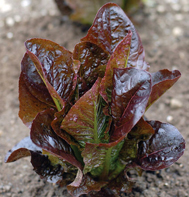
point(106, 167)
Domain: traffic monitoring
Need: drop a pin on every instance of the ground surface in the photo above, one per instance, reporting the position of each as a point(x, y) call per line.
point(164, 30)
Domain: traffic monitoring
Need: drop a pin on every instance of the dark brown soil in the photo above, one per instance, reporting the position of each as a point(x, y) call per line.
point(164, 30)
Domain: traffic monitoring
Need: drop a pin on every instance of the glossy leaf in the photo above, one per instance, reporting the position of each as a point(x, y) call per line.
point(110, 26)
point(161, 82)
point(100, 159)
point(29, 104)
point(43, 136)
point(140, 132)
point(93, 60)
point(44, 168)
point(132, 88)
point(31, 78)
point(56, 123)
point(121, 184)
point(164, 148)
point(118, 59)
point(22, 149)
point(87, 184)
point(82, 121)
point(55, 66)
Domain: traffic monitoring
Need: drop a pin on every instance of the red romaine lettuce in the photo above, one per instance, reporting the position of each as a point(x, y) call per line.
point(86, 109)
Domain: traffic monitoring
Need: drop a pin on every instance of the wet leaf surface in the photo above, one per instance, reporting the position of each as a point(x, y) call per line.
point(164, 148)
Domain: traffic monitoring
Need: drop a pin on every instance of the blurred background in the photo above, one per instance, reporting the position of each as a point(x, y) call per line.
point(164, 30)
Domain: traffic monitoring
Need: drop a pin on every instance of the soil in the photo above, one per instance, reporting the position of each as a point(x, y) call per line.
point(164, 30)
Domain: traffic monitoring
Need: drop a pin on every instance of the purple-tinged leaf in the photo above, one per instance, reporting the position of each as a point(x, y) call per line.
point(87, 184)
point(43, 136)
point(30, 106)
point(100, 159)
point(83, 120)
point(164, 148)
point(161, 82)
point(56, 123)
point(118, 59)
point(110, 26)
point(93, 60)
point(121, 184)
point(41, 163)
point(31, 78)
point(140, 132)
point(44, 168)
point(132, 88)
point(22, 149)
point(94, 158)
point(55, 66)
point(103, 192)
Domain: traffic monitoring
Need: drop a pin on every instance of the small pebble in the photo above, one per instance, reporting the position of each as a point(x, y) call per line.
point(5, 7)
point(17, 18)
point(9, 21)
point(174, 68)
point(166, 184)
point(177, 31)
point(160, 9)
point(25, 3)
point(186, 8)
point(175, 104)
point(169, 119)
point(9, 35)
point(178, 17)
point(5, 188)
point(181, 193)
point(176, 7)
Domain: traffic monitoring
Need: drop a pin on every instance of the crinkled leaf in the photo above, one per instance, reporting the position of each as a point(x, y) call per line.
point(164, 148)
point(103, 192)
point(131, 91)
point(87, 184)
point(30, 105)
point(100, 160)
point(94, 158)
point(44, 168)
point(31, 78)
point(92, 59)
point(118, 59)
point(22, 149)
point(161, 82)
point(121, 184)
point(85, 121)
point(141, 131)
point(41, 163)
point(55, 66)
point(56, 123)
point(43, 136)
point(110, 26)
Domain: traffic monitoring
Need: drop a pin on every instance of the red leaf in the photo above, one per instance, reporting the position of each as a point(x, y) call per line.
point(163, 149)
point(118, 59)
point(110, 26)
point(43, 136)
point(161, 82)
point(93, 60)
point(132, 88)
